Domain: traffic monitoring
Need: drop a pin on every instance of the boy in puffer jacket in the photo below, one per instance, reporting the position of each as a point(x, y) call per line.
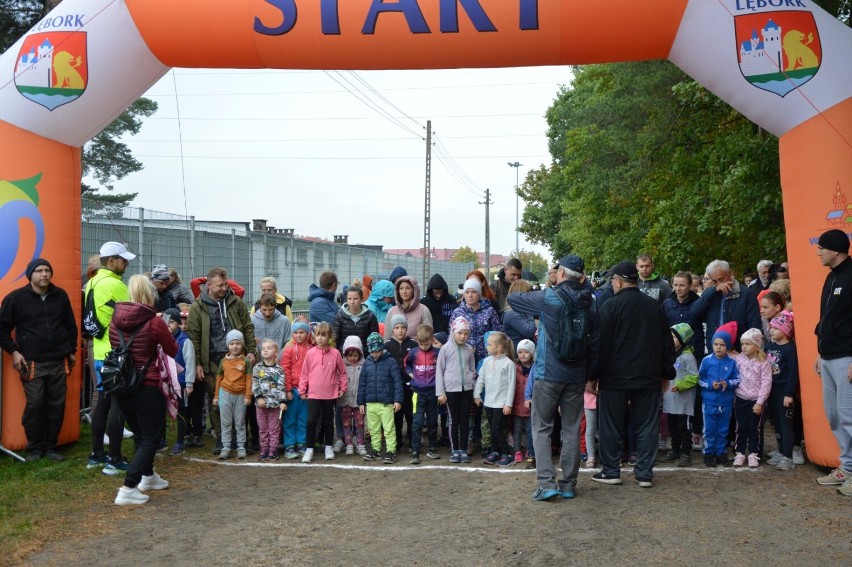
point(347, 404)
point(379, 397)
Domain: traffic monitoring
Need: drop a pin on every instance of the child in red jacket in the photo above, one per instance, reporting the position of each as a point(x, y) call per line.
point(296, 416)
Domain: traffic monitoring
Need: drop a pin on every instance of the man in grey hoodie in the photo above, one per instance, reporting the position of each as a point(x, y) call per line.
point(269, 323)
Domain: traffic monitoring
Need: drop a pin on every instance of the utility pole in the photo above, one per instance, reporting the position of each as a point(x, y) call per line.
point(517, 166)
point(488, 202)
point(427, 209)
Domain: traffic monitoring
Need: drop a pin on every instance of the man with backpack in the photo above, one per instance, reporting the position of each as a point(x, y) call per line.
point(101, 293)
point(636, 362)
point(566, 354)
point(42, 349)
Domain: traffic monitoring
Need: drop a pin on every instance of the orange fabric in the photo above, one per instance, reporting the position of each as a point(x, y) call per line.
point(234, 376)
point(55, 200)
point(814, 166)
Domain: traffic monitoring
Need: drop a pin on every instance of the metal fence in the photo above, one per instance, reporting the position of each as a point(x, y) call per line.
point(193, 247)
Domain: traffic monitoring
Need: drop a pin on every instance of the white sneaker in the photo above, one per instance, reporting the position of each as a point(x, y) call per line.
point(798, 456)
point(350, 449)
point(753, 460)
point(127, 433)
point(128, 496)
point(309, 456)
point(329, 453)
point(774, 459)
point(362, 450)
point(338, 446)
point(739, 460)
point(153, 482)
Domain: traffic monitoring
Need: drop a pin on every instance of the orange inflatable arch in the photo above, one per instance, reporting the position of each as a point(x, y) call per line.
point(782, 63)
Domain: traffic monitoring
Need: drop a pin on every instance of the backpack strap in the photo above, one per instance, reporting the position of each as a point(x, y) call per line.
point(144, 369)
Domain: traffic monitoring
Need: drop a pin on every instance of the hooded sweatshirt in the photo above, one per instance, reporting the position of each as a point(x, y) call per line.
point(382, 289)
point(323, 307)
point(353, 373)
point(277, 328)
point(442, 308)
point(415, 313)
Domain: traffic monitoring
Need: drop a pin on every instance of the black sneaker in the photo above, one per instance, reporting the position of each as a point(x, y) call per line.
point(33, 456)
point(415, 458)
point(390, 458)
point(54, 455)
point(709, 461)
point(198, 441)
point(432, 453)
point(602, 478)
point(372, 455)
point(670, 457)
point(723, 460)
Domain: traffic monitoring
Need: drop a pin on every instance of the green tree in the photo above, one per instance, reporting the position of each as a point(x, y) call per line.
point(466, 254)
point(106, 159)
point(532, 261)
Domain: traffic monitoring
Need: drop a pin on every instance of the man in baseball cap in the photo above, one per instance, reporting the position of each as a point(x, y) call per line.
point(116, 249)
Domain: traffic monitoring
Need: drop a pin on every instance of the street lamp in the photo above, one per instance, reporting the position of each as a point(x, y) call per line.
point(516, 165)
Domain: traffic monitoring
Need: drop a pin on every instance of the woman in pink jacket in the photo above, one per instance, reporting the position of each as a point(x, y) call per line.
point(322, 381)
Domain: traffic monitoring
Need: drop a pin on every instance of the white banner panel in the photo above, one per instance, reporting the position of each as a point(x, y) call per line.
point(778, 62)
point(75, 71)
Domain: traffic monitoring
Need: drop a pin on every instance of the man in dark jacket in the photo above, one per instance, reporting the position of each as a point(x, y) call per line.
point(505, 277)
point(439, 302)
point(323, 307)
point(724, 301)
point(636, 362)
point(43, 347)
point(559, 384)
point(834, 343)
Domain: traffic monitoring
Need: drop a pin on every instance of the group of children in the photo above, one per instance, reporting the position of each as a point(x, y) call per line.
point(739, 385)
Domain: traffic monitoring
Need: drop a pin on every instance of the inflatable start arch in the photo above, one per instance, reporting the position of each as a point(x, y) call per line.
point(782, 63)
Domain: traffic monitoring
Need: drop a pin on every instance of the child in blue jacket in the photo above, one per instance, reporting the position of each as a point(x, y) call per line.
point(379, 397)
point(718, 378)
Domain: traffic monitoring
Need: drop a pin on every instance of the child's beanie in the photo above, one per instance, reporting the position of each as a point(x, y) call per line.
point(727, 332)
point(783, 322)
point(234, 335)
point(460, 324)
point(399, 320)
point(754, 336)
point(528, 346)
point(301, 326)
point(375, 342)
point(683, 332)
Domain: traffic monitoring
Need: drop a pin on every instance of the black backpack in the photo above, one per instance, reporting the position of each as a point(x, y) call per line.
point(91, 324)
point(569, 338)
point(119, 376)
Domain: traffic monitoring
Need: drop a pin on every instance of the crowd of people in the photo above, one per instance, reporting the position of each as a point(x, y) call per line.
point(603, 370)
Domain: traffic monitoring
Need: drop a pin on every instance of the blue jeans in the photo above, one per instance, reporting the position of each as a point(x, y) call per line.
point(426, 409)
point(295, 421)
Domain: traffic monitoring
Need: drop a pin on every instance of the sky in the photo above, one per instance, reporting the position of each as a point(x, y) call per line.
point(329, 153)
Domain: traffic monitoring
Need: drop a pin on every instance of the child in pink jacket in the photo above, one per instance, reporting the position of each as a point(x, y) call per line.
point(755, 384)
point(322, 381)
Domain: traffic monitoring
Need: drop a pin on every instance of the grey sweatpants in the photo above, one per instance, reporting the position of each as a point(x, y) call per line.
point(232, 412)
point(837, 400)
point(547, 396)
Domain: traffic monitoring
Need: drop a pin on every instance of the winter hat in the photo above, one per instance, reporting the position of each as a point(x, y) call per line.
point(31, 267)
point(834, 240)
point(399, 320)
point(171, 314)
point(353, 342)
point(234, 335)
point(473, 283)
point(683, 332)
point(375, 343)
point(442, 337)
point(528, 346)
point(754, 336)
point(301, 326)
point(459, 324)
point(397, 272)
point(486, 335)
point(160, 272)
point(783, 322)
point(727, 332)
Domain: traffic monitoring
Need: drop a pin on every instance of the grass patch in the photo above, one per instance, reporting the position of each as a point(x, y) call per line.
point(45, 501)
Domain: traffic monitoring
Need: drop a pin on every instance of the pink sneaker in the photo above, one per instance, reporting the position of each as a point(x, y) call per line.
point(518, 457)
point(739, 460)
point(753, 460)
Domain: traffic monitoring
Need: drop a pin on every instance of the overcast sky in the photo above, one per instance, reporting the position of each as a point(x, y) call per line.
point(301, 150)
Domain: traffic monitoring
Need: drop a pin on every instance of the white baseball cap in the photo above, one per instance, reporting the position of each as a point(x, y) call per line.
point(116, 249)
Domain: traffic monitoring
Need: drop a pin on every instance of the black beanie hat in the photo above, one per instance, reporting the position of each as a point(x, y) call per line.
point(35, 264)
point(834, 240)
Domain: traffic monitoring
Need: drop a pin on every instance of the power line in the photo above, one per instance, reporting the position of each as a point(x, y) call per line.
point(336, 118)
point(332, 158)
point(326, 140)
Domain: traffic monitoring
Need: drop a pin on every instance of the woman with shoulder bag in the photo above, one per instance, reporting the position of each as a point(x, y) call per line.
point(145, 411)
